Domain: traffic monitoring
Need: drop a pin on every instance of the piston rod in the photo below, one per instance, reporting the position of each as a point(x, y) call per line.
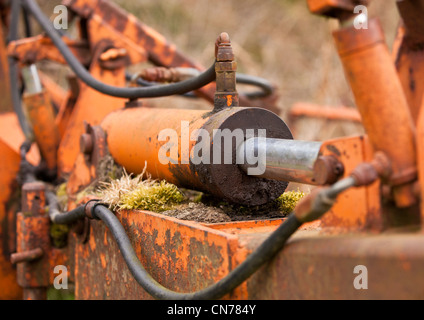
point(280, 159)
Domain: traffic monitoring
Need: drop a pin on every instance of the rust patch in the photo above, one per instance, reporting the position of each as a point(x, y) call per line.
point(334, 150)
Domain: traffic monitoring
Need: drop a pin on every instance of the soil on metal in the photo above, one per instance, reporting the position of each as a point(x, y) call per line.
point(198, 212)
point(212, 210)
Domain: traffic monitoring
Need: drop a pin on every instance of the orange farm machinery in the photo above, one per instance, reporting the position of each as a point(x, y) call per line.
point(364, 210)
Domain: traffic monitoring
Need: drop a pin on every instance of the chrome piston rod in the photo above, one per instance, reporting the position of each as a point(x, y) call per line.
point(280, 159)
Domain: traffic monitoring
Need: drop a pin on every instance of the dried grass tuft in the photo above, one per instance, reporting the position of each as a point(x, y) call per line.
point(134, 193)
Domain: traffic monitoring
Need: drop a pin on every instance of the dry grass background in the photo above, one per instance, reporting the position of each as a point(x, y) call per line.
point(276, 39)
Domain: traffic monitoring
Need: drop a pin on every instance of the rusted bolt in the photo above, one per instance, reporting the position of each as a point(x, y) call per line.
point(368, 172)
point(225, 67)
point(86, 143)
point(113, 54)
point(26, 256)
point(163, 74)
point(224, 38)
point(327, 170)
point(223, 49)
point(160, 74)
point(365, 174)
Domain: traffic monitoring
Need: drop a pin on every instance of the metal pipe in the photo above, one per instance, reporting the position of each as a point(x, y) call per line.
point(26, 256)
point(280, 159)
point(31, 79)
point(381, 102)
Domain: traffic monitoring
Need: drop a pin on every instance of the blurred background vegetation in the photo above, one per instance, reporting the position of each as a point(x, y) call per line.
point(279, 40)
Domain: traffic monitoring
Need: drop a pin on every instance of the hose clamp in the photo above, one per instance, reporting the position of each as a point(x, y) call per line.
point(90, 206)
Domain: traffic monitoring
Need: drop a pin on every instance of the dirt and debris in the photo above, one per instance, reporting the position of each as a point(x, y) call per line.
point(123, 191)
point(207, 209)
point(198, 212)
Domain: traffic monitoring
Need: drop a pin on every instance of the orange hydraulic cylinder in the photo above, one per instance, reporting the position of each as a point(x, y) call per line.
point(40, 113)
point(133, 139)
point(143, 136)
point(381, 102)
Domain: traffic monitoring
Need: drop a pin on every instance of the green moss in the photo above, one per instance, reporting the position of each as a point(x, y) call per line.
point(60, 294)
point(157, 197)
point(59, 235)
point(136, 193)
point(61, 190)
point(288, 200)
point(62, 196)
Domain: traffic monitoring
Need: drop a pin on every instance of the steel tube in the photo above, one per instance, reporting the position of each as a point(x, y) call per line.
point(31, 79)
point(283, 159)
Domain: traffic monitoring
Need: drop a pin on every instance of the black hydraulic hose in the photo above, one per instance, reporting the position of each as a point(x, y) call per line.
point(130, 93)
point(265, 86)
point(56, 216)
point(14, 71)
point(320, 201)
point(14, 20)
point(27, 22)
point(70, 216)
point(272, 245)
point(26, 170)
point(145, 83)
point(16, 97)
